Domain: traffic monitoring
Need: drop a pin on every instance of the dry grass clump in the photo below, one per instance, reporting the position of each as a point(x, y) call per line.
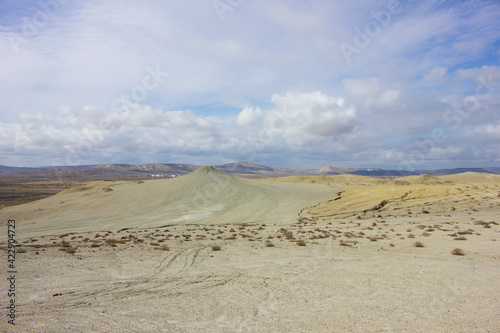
point(418, 244)
point(70, 250)
point(457, 252)
point(216, 248)
point(411, 236)
point(165, 247)
point(301, 242)
point(460, 238)
point(21, 250)
point(269, 244)
point(96, 245)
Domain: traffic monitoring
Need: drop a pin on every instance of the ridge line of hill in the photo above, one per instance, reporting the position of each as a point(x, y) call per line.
point(240, 168)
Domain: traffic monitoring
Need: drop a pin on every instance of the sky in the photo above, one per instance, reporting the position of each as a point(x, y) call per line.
point(408, 85)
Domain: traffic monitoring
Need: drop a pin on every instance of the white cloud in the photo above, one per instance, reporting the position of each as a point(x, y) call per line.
point(92, 53)
point(300, 119)
point(249, 116)
point(437, 74)
point(372, 92)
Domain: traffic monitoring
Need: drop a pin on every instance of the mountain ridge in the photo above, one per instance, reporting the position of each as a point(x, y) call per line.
point(239, 168)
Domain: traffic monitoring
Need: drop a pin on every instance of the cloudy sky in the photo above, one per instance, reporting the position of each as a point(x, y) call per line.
point(291, 83)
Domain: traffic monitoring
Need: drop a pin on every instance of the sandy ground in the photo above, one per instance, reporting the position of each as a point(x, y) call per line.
point(335, 260)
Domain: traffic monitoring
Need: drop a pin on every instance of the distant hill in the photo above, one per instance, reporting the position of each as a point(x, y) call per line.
point(241, 168)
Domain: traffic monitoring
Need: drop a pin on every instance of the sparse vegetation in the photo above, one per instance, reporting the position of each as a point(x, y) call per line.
point(457, 252)
point(301, 242)
point(216, 248)
point(418, 244)
point(269, 244)
point(70, 250)
point(460, 238)
point(21, 250)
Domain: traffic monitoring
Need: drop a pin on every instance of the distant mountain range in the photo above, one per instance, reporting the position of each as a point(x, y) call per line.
point(242, 168)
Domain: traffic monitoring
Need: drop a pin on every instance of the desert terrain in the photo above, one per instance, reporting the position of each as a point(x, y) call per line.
point(212, 252)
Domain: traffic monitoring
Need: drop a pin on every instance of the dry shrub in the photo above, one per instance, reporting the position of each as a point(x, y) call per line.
point(70, 250)
point(457, 252)
point(301, 242)
point(96, 245)
point(154, 244)
point(411, 236)
point(418, 244)
point(341, 243)
point(165, 247)
point(426, 234)
point(486, 225)
point(269, 244)
point(111, 243)
point(21, 250)
point(216, 248)
point(460, 238)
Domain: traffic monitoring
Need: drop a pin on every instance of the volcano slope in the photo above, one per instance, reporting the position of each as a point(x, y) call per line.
point(208, 252)
point(206, 196)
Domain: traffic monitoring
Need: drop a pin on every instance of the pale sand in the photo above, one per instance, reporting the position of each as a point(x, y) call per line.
point(359, 270)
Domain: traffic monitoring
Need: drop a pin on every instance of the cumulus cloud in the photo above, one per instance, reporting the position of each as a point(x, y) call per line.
point(89, 56)
point(249, 116)
point(88, 134)
point(299, 119)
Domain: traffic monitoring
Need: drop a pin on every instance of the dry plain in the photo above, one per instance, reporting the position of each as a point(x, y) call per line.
point(210, 252)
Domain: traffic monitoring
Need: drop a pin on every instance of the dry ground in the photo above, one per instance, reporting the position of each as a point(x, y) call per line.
point(346, 263)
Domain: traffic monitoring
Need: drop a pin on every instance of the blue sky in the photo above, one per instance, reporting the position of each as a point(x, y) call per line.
point(300, 84)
